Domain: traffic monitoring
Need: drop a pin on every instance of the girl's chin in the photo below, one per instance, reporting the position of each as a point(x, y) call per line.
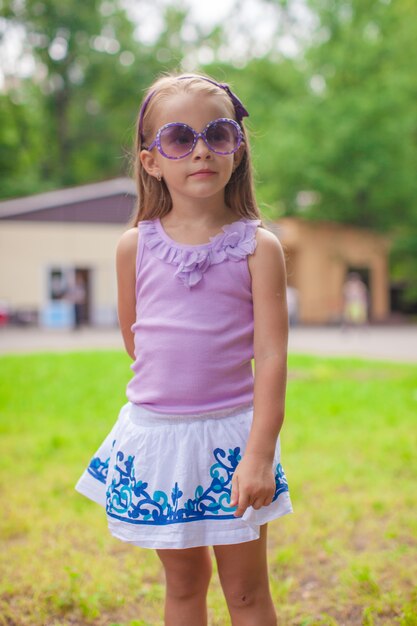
point(200, 191)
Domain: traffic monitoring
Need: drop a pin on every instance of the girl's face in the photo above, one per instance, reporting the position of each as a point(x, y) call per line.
point(203, 174)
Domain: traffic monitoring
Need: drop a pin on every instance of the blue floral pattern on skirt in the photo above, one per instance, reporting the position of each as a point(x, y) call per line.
point(99, 469)
point(129, 500)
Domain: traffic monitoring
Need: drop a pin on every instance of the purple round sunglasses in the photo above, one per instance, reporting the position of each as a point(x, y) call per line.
point(240, 110)
point(177, 140)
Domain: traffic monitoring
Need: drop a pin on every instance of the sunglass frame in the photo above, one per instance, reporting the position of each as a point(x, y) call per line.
point(157, 141)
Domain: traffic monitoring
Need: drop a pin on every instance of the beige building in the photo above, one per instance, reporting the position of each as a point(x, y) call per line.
point(57, 248)
point(319, 257)
point(50, 242)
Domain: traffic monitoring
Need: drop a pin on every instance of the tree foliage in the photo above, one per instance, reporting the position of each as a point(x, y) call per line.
point(366, 121)
point(90, 73)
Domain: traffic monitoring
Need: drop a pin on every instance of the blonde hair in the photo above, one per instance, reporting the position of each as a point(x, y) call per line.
point(153, 197)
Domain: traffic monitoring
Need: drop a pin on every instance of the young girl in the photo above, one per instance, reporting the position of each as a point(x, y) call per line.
point(193, 459)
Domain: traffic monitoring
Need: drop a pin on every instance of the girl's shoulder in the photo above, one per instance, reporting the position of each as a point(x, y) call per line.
point(127, 246)
point(128, 238)
point(267, 239)
point(269, 256)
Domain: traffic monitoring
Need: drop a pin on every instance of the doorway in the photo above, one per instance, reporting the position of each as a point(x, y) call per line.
point(68, 297)
point(365, 276)
point(82, 283)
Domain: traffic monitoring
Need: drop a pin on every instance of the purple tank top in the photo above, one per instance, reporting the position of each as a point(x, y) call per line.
point(193, 332)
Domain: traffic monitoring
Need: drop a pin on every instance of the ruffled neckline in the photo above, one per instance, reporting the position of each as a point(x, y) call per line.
point(234, 243)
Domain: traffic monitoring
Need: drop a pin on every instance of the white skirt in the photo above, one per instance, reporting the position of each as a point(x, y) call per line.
point(165, 481)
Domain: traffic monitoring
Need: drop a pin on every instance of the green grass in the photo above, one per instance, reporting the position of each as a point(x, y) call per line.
point(347, 556)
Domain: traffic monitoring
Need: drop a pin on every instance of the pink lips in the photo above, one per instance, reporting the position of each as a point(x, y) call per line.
point(203, 173)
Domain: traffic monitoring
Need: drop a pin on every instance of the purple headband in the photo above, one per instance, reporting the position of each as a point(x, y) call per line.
point(240, 110)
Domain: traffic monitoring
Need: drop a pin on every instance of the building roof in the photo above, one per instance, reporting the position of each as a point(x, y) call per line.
point(67, 196)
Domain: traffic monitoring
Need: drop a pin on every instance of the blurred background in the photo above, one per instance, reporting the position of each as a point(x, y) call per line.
point(331, 88)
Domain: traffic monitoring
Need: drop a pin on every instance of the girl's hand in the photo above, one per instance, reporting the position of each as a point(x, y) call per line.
point(253, 484)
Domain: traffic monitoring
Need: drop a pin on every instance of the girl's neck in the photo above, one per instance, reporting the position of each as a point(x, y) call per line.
point(201, 213)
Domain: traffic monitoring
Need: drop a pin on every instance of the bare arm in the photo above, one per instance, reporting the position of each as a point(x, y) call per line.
point(255, 483)
point(126, 282)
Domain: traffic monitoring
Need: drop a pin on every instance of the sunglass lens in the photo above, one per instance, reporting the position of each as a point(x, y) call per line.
point(222, 137)
point(176, 140)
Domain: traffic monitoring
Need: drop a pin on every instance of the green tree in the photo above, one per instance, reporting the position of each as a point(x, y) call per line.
point(362, 120)
point(365, 123)
point(81, 103)
point(20, 145)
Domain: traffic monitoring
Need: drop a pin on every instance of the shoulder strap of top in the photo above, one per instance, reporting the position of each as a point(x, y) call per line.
point(140, 247)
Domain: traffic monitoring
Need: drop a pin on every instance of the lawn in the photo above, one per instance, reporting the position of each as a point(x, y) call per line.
point(347, 556)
